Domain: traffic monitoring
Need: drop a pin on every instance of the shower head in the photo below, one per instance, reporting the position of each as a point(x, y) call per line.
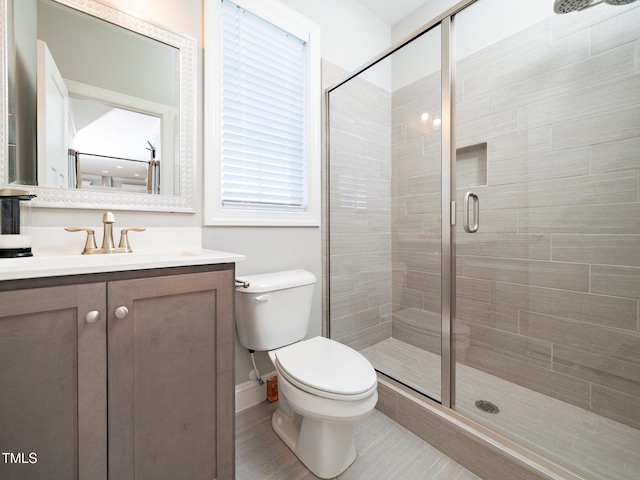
point(568, 6)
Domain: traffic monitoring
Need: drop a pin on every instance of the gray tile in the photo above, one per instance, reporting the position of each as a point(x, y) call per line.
point(598, 369)
point(617, 406)
point(349, 223)
point(384, 450)
point(365, 338)
point(572, 77)
point(587, 190)
point(472, 289)
point(526, 374)
point(591, 444)
point(567, 276)
point(547, 165)
point(581, 103)
point(622, 218)
point(613, 156)
point(490, 341)
point(355, 322)
point(342, 284)
point(488, 127)
point(482, 313)
point(407, 297)
point(590, 308)
point(614, 343)
point(615, 125)
point(414, 242)
point(533, 247)
point(532, 142)
point(346, 243)
point(601, 249)
point(424, 203)
point(348, 304)
point(417, 261)
point(618, 30)
point(616, 281)
point(358, 262)
point(387, 402)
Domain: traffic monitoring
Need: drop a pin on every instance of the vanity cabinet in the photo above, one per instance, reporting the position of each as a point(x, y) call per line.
point(53, 383)
point(126, 375)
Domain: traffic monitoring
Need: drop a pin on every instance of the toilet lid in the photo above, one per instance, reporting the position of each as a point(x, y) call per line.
point(327, 366)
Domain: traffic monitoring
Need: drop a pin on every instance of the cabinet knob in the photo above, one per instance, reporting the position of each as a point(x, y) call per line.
point(92, 317)
point(121, 312)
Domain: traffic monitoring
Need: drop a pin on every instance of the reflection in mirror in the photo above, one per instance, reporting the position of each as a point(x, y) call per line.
point(104, 101)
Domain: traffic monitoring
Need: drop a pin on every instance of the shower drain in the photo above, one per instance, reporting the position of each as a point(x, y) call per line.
point(487, 406)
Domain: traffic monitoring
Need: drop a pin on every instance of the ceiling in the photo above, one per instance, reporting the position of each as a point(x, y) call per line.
point(391, 11)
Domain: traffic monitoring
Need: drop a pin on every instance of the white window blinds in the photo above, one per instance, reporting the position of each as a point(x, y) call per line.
point(264, 115)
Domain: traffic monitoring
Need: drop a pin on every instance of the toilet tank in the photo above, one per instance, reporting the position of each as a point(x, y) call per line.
point(274, 309)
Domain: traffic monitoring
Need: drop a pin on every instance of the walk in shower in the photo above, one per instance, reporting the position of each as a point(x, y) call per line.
point(484, 223)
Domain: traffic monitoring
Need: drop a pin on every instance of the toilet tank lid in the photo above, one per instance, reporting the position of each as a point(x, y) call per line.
point(269, 282)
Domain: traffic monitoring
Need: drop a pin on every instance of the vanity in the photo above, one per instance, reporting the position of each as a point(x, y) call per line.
point(117, 366)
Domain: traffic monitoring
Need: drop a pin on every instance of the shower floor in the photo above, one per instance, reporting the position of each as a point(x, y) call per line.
point(586, 442)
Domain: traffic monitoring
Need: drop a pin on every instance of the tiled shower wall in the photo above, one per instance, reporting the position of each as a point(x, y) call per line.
point(550, 286)
point(548, 131)
point(359, 212)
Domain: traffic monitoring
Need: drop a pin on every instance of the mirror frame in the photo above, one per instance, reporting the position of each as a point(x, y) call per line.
point(98, 199)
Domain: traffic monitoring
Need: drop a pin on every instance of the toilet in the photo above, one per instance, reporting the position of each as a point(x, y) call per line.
point(325, 388)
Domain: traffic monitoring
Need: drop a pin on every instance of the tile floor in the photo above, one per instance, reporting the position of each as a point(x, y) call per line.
point(591, 445)
point(386, 451)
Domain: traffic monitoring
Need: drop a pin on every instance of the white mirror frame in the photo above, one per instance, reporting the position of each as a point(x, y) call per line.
point(92, 199)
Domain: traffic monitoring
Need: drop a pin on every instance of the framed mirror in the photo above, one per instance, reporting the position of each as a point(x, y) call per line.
point(98, 107)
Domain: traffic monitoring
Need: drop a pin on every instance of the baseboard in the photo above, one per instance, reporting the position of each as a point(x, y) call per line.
point(251, 393)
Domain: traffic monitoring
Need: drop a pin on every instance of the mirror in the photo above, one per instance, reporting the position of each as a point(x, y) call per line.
point(98, 107)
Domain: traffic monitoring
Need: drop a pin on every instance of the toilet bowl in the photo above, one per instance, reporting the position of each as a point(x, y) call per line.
point(325, 388)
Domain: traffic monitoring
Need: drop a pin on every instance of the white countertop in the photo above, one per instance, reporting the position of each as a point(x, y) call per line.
point(56, 265)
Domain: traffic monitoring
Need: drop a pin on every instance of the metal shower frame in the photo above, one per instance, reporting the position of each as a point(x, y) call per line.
point(448, 188)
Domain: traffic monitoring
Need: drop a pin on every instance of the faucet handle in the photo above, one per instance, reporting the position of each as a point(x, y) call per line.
point(90, 244)
point(124, 238)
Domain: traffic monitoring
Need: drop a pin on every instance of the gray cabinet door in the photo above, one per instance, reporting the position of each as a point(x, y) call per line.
point(165, 372)
point(53, 383)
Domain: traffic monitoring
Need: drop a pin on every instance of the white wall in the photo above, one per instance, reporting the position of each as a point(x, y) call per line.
point(351, 35)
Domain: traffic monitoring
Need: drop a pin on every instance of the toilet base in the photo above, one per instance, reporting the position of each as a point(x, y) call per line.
point(326, 448)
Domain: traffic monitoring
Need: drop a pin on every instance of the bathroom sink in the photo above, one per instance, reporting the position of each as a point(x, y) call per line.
point(48, 265)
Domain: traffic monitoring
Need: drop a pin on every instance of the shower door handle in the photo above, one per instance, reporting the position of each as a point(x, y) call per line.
point(471, 197)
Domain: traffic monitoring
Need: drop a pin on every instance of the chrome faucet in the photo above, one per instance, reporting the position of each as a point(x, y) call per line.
point(108, 246)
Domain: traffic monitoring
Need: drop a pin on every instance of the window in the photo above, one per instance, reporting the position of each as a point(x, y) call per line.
point(263, 116)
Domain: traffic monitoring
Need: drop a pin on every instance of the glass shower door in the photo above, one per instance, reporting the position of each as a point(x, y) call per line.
point(384, 213)
point(548, 288)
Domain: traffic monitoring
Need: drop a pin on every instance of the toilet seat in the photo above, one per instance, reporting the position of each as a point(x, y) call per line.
point(326, 368)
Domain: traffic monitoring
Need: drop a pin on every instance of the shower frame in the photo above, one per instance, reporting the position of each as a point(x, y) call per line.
point(425, 411)
point(448, 188)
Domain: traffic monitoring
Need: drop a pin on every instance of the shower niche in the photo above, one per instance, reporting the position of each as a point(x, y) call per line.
point(471, 166)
